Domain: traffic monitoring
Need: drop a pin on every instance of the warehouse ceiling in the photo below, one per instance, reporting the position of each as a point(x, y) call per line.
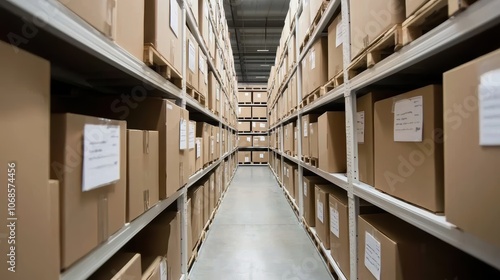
point(255, 27)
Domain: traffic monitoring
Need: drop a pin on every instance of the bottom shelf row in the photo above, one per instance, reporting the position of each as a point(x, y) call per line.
point(387, 247)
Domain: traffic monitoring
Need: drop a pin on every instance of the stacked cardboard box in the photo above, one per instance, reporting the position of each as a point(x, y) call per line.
point(260, 141)
point(260, 156)
point(332, 142)
point(307, 140)
point(244, 156)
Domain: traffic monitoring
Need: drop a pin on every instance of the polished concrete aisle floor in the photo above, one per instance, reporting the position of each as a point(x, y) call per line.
point(256, 236)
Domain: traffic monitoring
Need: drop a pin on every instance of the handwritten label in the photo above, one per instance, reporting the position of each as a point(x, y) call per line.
point(489, 108)
point(372, 255)
point(360, 127)
point(408, 120)
point(319, 211)
point(334, 222)
point(101, 156)
point(183, 135)
point(192, 135)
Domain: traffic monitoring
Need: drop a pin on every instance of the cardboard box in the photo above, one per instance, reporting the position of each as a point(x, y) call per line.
point(288, 134)
point(321, 194)
point(304, 22)
point(338, 232)
point(213, 93)
point(161, 238)
point(260, 156)
point(365, 135)
point(260, 141)
point(413, 5)
point(259, 126)
point(98, 13)
point(288, 179)
point(157, 269)
point(332, 142)
point(296, 142)
point(314, 8)
point(184, 146)
point(204, 131)
point(192, 149)
point(292, 54)
point(244, 126)
point(206, 201)
point(245, 141)
point(306, 120)
point(471, 177)
point(130, 27)
point(313, 140)
point(199, 161)
point(259, 97)
point(217, 136)
point(196, 195)
point(244, 112)
point(202, 74)
point(142, 171)
point(26, 78)
point(189, 210)
point(259, 112)
point(87, 209)
point(211, 195)
point(308, 185)
point(192, 51)
point(244, 156)
point(317, 73)
point(161, 29)
point(203, 21)
point(412, 171)
point(211, 40)
point(335, 48)
point(371, 19)
point(120, 266)
point(244, 97)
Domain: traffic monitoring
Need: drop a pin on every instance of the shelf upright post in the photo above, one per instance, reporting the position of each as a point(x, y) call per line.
point(299, 115)
point(182, 201)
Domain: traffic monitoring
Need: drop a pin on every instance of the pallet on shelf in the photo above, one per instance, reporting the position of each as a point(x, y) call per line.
point(311, 161)
point(196, 95)
point(310, 98)
point(157, 62)
point(383, 46)
point(314, 24)
point(336, 81)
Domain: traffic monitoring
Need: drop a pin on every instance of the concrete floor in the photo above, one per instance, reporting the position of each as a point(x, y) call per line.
point(256, 236)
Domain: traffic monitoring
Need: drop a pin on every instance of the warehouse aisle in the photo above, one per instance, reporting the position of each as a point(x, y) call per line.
point(256, 235)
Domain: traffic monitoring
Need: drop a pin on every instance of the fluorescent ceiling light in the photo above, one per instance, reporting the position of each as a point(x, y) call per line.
point(265, 65)
point(260, 77)
point(262, 50)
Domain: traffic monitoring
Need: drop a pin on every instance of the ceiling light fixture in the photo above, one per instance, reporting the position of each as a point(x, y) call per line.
point(262, 50)
point(260, 77)
point(265, 65)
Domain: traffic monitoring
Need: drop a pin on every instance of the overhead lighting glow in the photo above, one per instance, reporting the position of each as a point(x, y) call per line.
point(265, 65)
point(262, 50)
point(260, 77)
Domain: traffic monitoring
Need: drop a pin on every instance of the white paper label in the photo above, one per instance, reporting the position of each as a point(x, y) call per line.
point(262, 125)
point(319, 211)
point(212, 146)
point(311, 128)
point(217, 93)
point(101, 155)
point(489, 108)
point(259, 95)
point(261, 155)
point(183, 141)
point(408, 120)
point(163, 270)
point(174, 17)
point(239, 110)
point(170, 107)
point(305, 128)
point(247, 159)
point(198, 148)
point(295, 135)
point(372, 255)
point(334, 222)
point(360, 126)
point(201, 64)
point(192, 135)
point(218, 137)
point(249, 139)
point(339, 34)
point(192, 57)
point(305, 189)
point(246, 93)
point(312, 59)
point(262, 138)
point(254, 124)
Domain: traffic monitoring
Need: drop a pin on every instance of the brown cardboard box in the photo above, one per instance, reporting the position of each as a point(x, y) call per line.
point(260, 141)
point(157, 269)
point(244, 126)
point(332, 142)
point(83, 213)
point(372, 18)
point(321, 194)
point(335, 48)
point(213, 93)
point(259, 97)
point(206, 201)
point(292, 54)
point(189, 210)
point(413, 5)
point(304, 22)
point(120, 266)
point(259, 112)
point(160, 33)
point(212, 147)
point(130, 27)
point(161, 237)
point(26, 79)
point(244, 97)
point(211, 195)
point(317, 71)
point(296, 185)
point(412, 171)
point(314, 8)
point(142, 171)
point(202, 74)
point(313, 140)
point(199, 154)
point(184, 146)
point(192, 50)
point(217, 136)
point(365, 135)
point(192, 148)
point(244, 112)
point(308, 198)
point(196, 195)
point(470, 169)
point(203, 21)
point(204, 130)
point(288, 179)
point(306, 120)
point(288, 134)
point(260, 156)
point(244, 141)
point(98, 13)
point(244, 156)
point(296, 142)
point(339, 229)
point(259, 126)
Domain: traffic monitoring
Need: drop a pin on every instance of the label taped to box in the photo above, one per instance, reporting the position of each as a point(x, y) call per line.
point(489, 108)
point(360, 127)
point(334, 222)
point(408, 120)
point(372, 255)
point(320, 211)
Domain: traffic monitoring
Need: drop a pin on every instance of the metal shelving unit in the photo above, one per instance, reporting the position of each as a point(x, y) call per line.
point(57, 20)
point(477, 18)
